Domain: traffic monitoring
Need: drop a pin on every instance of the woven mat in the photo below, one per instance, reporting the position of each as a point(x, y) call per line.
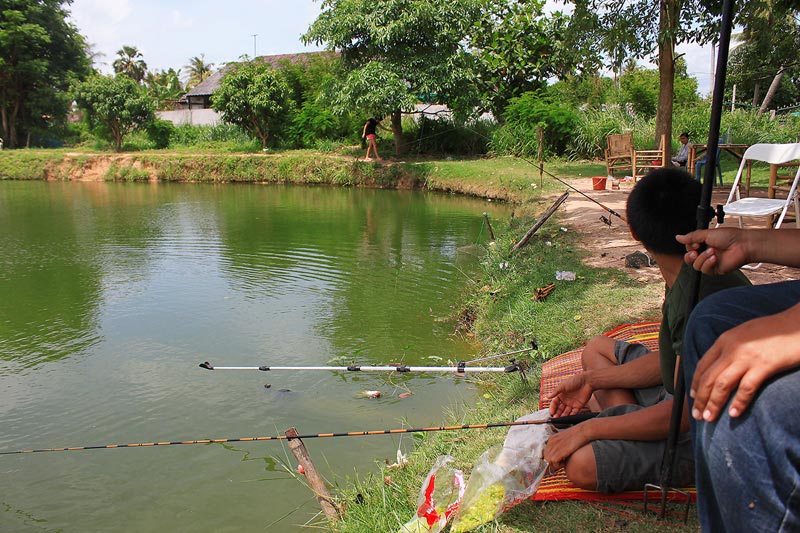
point(557, 487)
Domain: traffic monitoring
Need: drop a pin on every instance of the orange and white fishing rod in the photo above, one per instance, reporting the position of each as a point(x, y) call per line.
point(560, 421)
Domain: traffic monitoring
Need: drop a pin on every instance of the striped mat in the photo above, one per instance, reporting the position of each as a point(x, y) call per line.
point(556, 486)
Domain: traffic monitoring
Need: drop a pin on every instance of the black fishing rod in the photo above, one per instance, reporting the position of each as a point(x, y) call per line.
point(704, 215)
point(560, 421)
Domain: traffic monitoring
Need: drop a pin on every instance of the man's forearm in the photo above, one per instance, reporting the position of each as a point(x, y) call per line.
point(650, 423)
point(777, 247)
point(639, 374)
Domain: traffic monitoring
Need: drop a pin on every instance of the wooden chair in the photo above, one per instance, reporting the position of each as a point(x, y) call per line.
point(621, 155)
point(646, 160)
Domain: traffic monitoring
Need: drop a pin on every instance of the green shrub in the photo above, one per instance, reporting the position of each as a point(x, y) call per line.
point(159, 132)
point(524, 114)
point(444, 136)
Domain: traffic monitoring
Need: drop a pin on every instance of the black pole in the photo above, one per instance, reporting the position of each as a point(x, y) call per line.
point(704, 215)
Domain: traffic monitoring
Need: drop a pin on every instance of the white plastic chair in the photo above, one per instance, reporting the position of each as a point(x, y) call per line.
point(764, 207)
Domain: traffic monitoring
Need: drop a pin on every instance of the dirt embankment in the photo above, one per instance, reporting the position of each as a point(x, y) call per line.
point(607, 246)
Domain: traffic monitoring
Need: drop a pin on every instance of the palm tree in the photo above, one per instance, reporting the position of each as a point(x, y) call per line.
point(197, 70)
point(130, 62)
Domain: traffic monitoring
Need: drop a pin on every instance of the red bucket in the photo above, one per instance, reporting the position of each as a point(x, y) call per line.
point(599, 183)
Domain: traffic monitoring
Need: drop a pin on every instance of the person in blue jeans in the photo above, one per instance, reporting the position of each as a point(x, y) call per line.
point(742, 371)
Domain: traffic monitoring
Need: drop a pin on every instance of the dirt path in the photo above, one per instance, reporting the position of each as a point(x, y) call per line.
point(608, 246)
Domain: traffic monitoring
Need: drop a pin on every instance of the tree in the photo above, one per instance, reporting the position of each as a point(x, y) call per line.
point(517, 49)
point(130, 63)
point(41, 55)
point(164, 87)
point(197, 70)
point(114, 106)
point(399, 52)
point(771, 38)
point(253, 96)
point(646, 29)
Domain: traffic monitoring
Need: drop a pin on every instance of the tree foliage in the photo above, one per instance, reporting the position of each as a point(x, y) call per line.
point(252, 95)
point(131, 63)
point(517, 49)
point(114, 106)
point(766, 55)
point(197, 70)
point(41, 55)
point(398, 52)
point(164, 87)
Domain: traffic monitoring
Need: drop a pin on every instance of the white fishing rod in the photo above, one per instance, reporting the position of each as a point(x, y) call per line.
point(460, 368)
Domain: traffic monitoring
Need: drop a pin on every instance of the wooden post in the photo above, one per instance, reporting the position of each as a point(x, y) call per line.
point(315, 481)
point(547, 214)
point(540, 140)
point(486, 217)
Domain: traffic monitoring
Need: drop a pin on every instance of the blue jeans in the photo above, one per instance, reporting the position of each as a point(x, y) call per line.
point(748, 468)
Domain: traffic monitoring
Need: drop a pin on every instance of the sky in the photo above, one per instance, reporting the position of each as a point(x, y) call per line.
point(170, 32)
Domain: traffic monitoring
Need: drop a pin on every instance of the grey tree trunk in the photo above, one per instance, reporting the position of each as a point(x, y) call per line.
point(773, 88)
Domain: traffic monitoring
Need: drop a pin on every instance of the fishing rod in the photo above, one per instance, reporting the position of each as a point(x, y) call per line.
point(560, 421)
point(541, 168)
point(460, 368)
point(400, 369)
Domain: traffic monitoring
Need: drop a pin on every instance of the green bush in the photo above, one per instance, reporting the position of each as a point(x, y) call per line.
point(159, 132)
point(523, 115)
point(444, 136)
point(222, 136)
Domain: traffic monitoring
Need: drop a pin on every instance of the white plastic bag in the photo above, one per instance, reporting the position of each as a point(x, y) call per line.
point(505, 476)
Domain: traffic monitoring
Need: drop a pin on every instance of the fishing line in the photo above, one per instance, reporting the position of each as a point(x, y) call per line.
point(560, 421)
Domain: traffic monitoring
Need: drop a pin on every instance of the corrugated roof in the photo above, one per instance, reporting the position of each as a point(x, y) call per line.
point(211, 84)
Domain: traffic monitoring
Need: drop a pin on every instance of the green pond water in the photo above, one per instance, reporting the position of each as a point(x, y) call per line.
point(112, 294)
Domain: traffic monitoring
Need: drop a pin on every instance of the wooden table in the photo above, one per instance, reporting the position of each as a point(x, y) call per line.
point(696, 151)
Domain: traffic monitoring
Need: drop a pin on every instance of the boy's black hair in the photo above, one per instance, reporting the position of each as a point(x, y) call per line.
point(663, 204)
point(684, 134)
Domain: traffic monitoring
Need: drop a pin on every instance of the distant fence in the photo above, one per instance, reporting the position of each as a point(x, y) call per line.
point(192, 117)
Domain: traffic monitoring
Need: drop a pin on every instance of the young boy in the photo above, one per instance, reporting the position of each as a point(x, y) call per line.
point(622, 449)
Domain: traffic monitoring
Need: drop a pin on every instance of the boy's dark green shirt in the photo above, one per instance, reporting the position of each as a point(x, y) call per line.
point(674, 315)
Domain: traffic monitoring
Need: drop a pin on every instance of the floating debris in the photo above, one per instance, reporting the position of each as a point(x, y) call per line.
point(371, 394)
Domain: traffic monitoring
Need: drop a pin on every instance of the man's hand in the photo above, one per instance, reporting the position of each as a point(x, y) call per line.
point(570, 396)
point(728, 249)
point(560, 446)
point(743, 358)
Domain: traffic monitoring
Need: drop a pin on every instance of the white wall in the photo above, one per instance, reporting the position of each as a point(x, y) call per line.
point(194, 117)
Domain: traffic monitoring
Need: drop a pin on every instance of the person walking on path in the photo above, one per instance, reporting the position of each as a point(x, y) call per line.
point(370, 134)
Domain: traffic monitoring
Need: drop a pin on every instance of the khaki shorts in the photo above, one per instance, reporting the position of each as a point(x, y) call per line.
point(627, 464)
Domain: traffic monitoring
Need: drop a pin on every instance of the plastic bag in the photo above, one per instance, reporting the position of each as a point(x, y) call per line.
point(438, 499)
point(505, 476)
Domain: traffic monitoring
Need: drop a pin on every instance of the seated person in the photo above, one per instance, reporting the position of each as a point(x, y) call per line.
point(743, 376)
point(623, 447)
point(683, 154)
